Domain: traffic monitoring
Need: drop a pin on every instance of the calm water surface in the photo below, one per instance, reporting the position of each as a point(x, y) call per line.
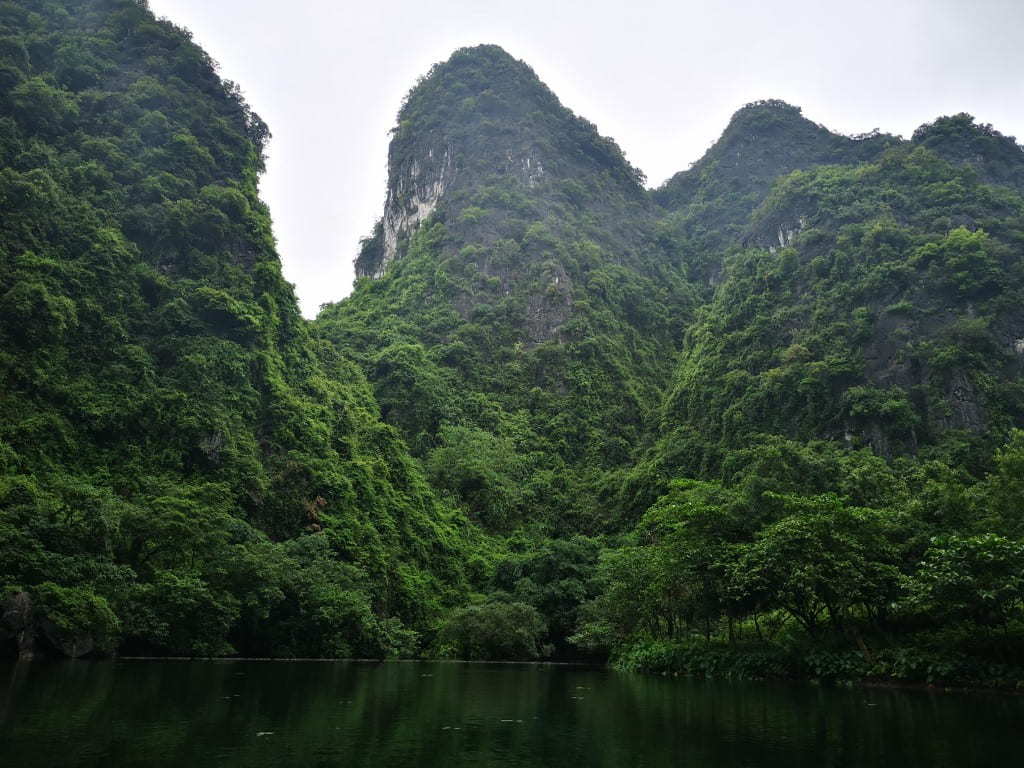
point(183, 714)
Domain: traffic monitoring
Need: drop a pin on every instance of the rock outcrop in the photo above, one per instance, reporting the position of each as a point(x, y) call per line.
point(17, 626)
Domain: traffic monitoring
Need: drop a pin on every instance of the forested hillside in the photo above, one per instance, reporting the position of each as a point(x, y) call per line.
point(760, 421)
point(186, 468)
point(521, 336)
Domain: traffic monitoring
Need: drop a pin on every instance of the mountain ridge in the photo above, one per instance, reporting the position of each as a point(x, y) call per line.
point(755, 421)
point(694, 198)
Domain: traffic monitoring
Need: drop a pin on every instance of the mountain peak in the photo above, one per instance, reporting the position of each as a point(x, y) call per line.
point(447, 126)
point(478, 82)
point(774, 110)
point(480, 118)
point(480, 55)
point(763, 141)
point(753, 144)
point(960, 139)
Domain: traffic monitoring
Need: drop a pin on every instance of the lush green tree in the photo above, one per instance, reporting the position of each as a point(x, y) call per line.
point(980, 578)
point(823, 561)
point(74, 620)
point(494, 630)
point(482, 472)
point(555, 576)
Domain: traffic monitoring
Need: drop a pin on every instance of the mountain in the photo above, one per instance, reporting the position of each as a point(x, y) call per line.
point(482, 124)
point(184, 467)
point(959, 139)
point(877, 304)
point(513, 296)
point(762, 421)
point(711, 202)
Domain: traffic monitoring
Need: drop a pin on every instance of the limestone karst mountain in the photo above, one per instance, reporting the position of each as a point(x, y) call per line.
point(535, 293)
point(561, 413)
point(517, 194)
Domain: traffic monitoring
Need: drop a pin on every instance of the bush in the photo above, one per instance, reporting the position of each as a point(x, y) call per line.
point(75, 621)
point(494, 631)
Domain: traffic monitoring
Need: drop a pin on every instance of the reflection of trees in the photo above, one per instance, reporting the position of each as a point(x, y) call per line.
point(179, 714)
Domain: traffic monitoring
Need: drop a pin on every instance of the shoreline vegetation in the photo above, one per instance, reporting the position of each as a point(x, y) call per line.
point(890, 667)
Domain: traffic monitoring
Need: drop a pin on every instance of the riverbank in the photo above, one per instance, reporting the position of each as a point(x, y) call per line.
point(896, 668)
point(903, 667)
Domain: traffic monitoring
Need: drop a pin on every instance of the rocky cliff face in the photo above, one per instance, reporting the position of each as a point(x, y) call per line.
point(480, 131)
point(414, 192)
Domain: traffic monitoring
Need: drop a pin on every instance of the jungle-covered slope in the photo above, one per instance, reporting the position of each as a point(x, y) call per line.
point(760, 421)
point(186, 468)
point(839, 320)
point(521, 335)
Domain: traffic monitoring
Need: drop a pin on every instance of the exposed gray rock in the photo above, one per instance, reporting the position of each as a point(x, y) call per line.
point(70, 645)
point(16, 622)
point(413, 194)
point(966, 411)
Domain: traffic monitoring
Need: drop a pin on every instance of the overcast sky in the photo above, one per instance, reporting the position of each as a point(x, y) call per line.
point(660, 77)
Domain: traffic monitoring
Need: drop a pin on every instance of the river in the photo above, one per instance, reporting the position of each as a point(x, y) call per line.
point(268, 713)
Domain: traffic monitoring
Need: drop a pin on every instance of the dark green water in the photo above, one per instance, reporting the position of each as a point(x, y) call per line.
point(184, 714)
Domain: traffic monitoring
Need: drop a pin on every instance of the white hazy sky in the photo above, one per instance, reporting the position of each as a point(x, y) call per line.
point(661, 77)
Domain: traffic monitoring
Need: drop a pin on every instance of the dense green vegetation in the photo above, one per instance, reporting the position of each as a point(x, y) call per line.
point(522, 339)
point(186, 468)
point(760, 421)
point(812, 560)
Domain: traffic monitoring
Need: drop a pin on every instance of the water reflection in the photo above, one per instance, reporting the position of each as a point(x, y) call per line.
point(180, 714)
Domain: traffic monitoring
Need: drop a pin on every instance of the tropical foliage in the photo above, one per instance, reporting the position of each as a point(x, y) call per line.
point(762, 421)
